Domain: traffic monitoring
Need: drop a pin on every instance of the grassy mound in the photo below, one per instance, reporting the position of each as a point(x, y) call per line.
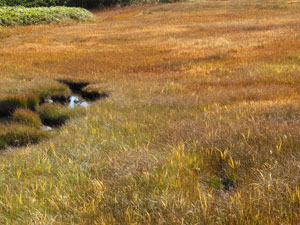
point(27, 117)
point(10, 16)
point(9, 103)
point(54, 114)
point(20, 135)
point(93, 92)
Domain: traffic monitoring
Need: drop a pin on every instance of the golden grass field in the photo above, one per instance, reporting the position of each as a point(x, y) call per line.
point(201, 126)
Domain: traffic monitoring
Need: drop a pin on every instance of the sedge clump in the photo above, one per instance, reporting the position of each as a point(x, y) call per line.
point(54, 114)
point(27, 117)
point(16, 134)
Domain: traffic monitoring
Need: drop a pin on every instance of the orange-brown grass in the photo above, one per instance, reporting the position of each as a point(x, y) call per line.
point(201, 125)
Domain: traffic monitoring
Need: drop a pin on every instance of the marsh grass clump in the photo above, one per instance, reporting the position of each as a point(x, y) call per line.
point(16, 134)
point(47, 88)
point(27, 117)
point(8, 104)
point(54, 114)
point(33, 101)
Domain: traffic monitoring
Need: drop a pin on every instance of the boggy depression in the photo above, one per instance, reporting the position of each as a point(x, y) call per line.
point(30, 112)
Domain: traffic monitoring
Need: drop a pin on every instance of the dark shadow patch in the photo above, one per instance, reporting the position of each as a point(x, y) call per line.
point(93, 95)
point(60, 98)
point(54, 123)
point(228, 184)
point(76, 87)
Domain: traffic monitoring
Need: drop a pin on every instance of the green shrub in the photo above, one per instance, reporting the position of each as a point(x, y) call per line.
point(20, 135)
point(27, 117)
point(54, 114)
point(10, 16)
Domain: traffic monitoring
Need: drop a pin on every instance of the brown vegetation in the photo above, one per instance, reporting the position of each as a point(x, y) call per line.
point(201, 127)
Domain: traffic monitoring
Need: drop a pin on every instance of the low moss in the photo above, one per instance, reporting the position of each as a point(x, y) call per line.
point(15, 134)
point(54, 114)
point(27, 117)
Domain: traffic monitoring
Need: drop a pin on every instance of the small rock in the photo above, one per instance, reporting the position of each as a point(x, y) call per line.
point(46, 128)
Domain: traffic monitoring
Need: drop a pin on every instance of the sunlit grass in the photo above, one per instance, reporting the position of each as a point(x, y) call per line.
point(201, 125)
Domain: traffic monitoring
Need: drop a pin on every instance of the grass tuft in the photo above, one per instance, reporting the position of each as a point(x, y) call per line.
point(33, 101)
point(54, 114)
point(16, 135)
point(93, 92)
point(27, 117)
point(9, 103)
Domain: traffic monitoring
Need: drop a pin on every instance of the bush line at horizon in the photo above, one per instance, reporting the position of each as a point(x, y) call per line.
point(73, 3)
point(19, 15)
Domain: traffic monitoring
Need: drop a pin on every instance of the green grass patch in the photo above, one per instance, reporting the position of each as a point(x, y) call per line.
point(10, 16)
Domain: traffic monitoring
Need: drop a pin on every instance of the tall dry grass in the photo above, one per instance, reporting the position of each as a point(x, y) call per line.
point(201, 125)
